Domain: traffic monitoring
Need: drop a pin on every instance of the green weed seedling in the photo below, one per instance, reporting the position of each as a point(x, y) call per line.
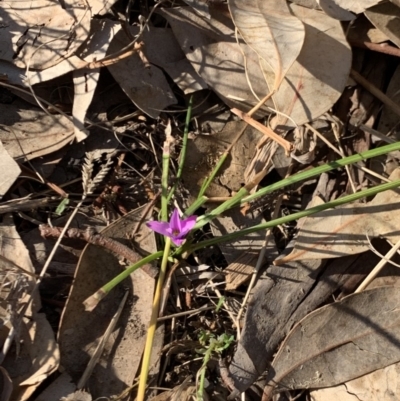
point(211, 345)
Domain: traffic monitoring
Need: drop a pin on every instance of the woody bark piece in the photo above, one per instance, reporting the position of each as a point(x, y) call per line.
point(89, 236)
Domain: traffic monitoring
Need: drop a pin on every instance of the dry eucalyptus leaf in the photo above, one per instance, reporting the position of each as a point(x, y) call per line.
point(354, 6)
point(383, 384)
point(385, 17)
point(361, 30)
point(28, 132)
point(41, 33)
point(60, 387)
point(204, 151)
point(339, 342)
point(144, 83)
point(38, 355)
point(345, 230)
point(210, 45)
point(232, 221)
point(388, 121)
point(277, 296)
point(317, 78)
point(162, 49)
point(333, 10)
point(100, 7)
point(270, 29)
point(6, 385)
point(80, 330)
point(10, 170)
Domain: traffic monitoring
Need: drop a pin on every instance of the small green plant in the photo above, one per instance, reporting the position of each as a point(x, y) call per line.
point(211, 345)
point(176, 229)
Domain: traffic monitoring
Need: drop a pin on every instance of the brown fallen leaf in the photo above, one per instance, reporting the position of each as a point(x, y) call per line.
point(270, 29)
point(355, 6)
point(41, 33)
point(276, 297)
point(28, 132)
point(10, 171)
point(210, 46)
point(85, 80)
point(37, 355)
point(80, 330)
point(162, 49)
point(231, 176)
point(319, 75)
point(144, 83)
point(339, 342)
point(345, 230)
point(383, 384)
point(385, 17)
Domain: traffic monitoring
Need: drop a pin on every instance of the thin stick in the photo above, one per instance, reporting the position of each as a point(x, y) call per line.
point(100, 240)
point(378, 267)
point(265, 130)
point(260, 103)
point(377, 47)
point(375, 91)
point(335, 149)
point(100, 347)
point(335, 129)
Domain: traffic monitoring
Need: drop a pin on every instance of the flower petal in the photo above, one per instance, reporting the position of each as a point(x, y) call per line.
point(160, 227)
point(175, 222)
point(187, 225)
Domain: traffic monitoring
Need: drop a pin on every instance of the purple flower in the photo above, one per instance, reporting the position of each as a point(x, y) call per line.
point(176, 229)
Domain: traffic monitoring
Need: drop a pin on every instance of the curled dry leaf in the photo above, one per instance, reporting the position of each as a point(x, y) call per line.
point(345, 230)
point(270, 29)
point(339, 342)
point(41, 33)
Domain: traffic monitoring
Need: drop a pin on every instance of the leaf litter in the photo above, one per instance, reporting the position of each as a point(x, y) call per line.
point(298, 55)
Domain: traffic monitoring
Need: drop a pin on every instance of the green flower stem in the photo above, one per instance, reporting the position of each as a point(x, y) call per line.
point(195, 205)
point(127, 272)
point(164, 182)
point(144, 373)
point(304, 175)
point(291, 217)
point(230, 203)
point(242, 195)
point(182, 156)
